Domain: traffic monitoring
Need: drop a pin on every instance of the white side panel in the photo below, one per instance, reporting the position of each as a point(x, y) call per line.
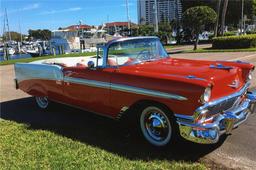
point(29, 71)
point(69, 61)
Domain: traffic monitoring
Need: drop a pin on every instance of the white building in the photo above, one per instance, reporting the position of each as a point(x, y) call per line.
point(167, 10)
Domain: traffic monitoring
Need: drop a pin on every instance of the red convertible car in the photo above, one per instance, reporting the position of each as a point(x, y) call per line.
point(168, 97)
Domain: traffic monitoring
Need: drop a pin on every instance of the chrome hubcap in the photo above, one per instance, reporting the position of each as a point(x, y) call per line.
point(42, 102)
point(155, 126)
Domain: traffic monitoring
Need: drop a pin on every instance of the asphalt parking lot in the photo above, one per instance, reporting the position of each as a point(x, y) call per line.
point(234, 151)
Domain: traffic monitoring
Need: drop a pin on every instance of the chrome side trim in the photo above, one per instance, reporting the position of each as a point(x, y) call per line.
point(146, 92)
point(124, 88)
point(181, 116)
point(92, 83)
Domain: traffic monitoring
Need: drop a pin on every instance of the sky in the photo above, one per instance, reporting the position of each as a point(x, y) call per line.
point(52, 14)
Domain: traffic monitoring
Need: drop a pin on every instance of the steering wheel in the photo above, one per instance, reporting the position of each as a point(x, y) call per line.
point(144, 55)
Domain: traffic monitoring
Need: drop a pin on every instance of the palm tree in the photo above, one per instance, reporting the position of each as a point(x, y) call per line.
point(223, 16)
point(217, 21)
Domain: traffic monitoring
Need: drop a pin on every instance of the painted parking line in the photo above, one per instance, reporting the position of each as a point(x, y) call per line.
point(242, 58)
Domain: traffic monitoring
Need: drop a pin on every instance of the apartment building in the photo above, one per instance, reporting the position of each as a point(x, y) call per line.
point(167, 10)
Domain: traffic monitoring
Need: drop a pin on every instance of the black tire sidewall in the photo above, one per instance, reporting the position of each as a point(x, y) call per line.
point(42, 108)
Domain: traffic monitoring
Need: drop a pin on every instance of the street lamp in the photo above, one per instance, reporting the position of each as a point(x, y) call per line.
point(242, 18)
point(156, 19)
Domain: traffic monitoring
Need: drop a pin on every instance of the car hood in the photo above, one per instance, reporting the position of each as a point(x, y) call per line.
point(223, 78)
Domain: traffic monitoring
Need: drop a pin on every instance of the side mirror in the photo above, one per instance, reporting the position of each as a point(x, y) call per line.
point(90, 64)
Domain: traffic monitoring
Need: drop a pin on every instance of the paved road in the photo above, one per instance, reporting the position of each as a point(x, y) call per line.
point(178, 49)
point(235, 151)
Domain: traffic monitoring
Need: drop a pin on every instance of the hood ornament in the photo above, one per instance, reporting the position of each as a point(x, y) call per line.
point(235, 84)
point(220, 66)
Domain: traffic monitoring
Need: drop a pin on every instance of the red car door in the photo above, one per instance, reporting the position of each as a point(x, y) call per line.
point(88, 89)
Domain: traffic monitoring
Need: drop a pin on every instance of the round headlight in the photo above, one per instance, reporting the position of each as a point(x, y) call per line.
point(207, 95)
point(250, 75)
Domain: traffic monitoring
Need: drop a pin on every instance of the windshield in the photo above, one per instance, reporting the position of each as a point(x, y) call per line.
point(135, 51)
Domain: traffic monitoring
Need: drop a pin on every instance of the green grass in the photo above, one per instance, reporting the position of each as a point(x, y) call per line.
point(22, 147)
point(26, 60)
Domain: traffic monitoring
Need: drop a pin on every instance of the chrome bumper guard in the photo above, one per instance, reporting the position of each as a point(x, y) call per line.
point(223, 123)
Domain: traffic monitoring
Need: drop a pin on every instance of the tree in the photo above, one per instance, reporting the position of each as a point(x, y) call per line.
point(254, 7)
point(146, 30)
point(223, 16)
point(186, 4)
point(14, 36)
point(40, 34)
point(164, 33)
point(233, 14)
point(218, 17)
point(196, 18)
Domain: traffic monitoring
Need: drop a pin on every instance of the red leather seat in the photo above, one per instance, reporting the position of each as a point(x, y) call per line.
point(81, 64)
point(112, 62)
point(129, 61)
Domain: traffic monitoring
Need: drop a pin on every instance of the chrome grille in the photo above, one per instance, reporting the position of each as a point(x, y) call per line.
point(223, 106)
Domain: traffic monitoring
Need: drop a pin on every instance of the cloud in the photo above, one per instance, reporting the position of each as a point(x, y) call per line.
point(61, 11)
point(30, 7)
point(25, 8)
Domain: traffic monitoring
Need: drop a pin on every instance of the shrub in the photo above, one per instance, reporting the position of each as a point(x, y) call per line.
point(229, 42)
point(230, 33)
point(251, 32)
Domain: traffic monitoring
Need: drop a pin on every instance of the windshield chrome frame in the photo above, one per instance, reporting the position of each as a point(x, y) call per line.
point(108, 45)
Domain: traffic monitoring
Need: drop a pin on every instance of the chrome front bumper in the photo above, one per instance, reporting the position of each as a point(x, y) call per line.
point(223, 123)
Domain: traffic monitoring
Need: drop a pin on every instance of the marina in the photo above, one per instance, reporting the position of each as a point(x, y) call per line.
point(17, 56)
point(79, 38)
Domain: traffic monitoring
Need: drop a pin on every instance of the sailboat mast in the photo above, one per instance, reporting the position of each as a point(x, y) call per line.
point(128, 16)
point(4, 36)
point(7, 24)
point(20, 32)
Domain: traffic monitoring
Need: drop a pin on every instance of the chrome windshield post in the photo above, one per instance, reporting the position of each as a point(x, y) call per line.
point(105, 56)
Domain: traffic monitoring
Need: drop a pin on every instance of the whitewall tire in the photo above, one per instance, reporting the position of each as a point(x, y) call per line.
point(42, 102)
point(156, 126)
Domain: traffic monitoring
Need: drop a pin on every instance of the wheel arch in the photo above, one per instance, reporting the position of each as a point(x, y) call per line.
point(37, 90)
point(131, 111)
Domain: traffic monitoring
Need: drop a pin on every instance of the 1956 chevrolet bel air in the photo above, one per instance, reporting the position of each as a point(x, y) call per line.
point(198, 100)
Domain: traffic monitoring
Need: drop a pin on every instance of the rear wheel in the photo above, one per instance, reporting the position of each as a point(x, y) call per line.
point(157, 125)
point(42, 102)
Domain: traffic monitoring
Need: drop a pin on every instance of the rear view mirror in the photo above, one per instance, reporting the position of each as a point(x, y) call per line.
point(90, 64)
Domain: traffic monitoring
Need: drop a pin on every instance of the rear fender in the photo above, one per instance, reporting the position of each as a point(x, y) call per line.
point(37, 90)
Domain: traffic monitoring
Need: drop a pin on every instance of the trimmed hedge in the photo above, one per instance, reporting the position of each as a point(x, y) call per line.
point(231, 42)
point(230, 33)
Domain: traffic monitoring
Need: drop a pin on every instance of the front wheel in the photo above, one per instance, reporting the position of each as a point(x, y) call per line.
point(42, 102)
point(156, 125)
